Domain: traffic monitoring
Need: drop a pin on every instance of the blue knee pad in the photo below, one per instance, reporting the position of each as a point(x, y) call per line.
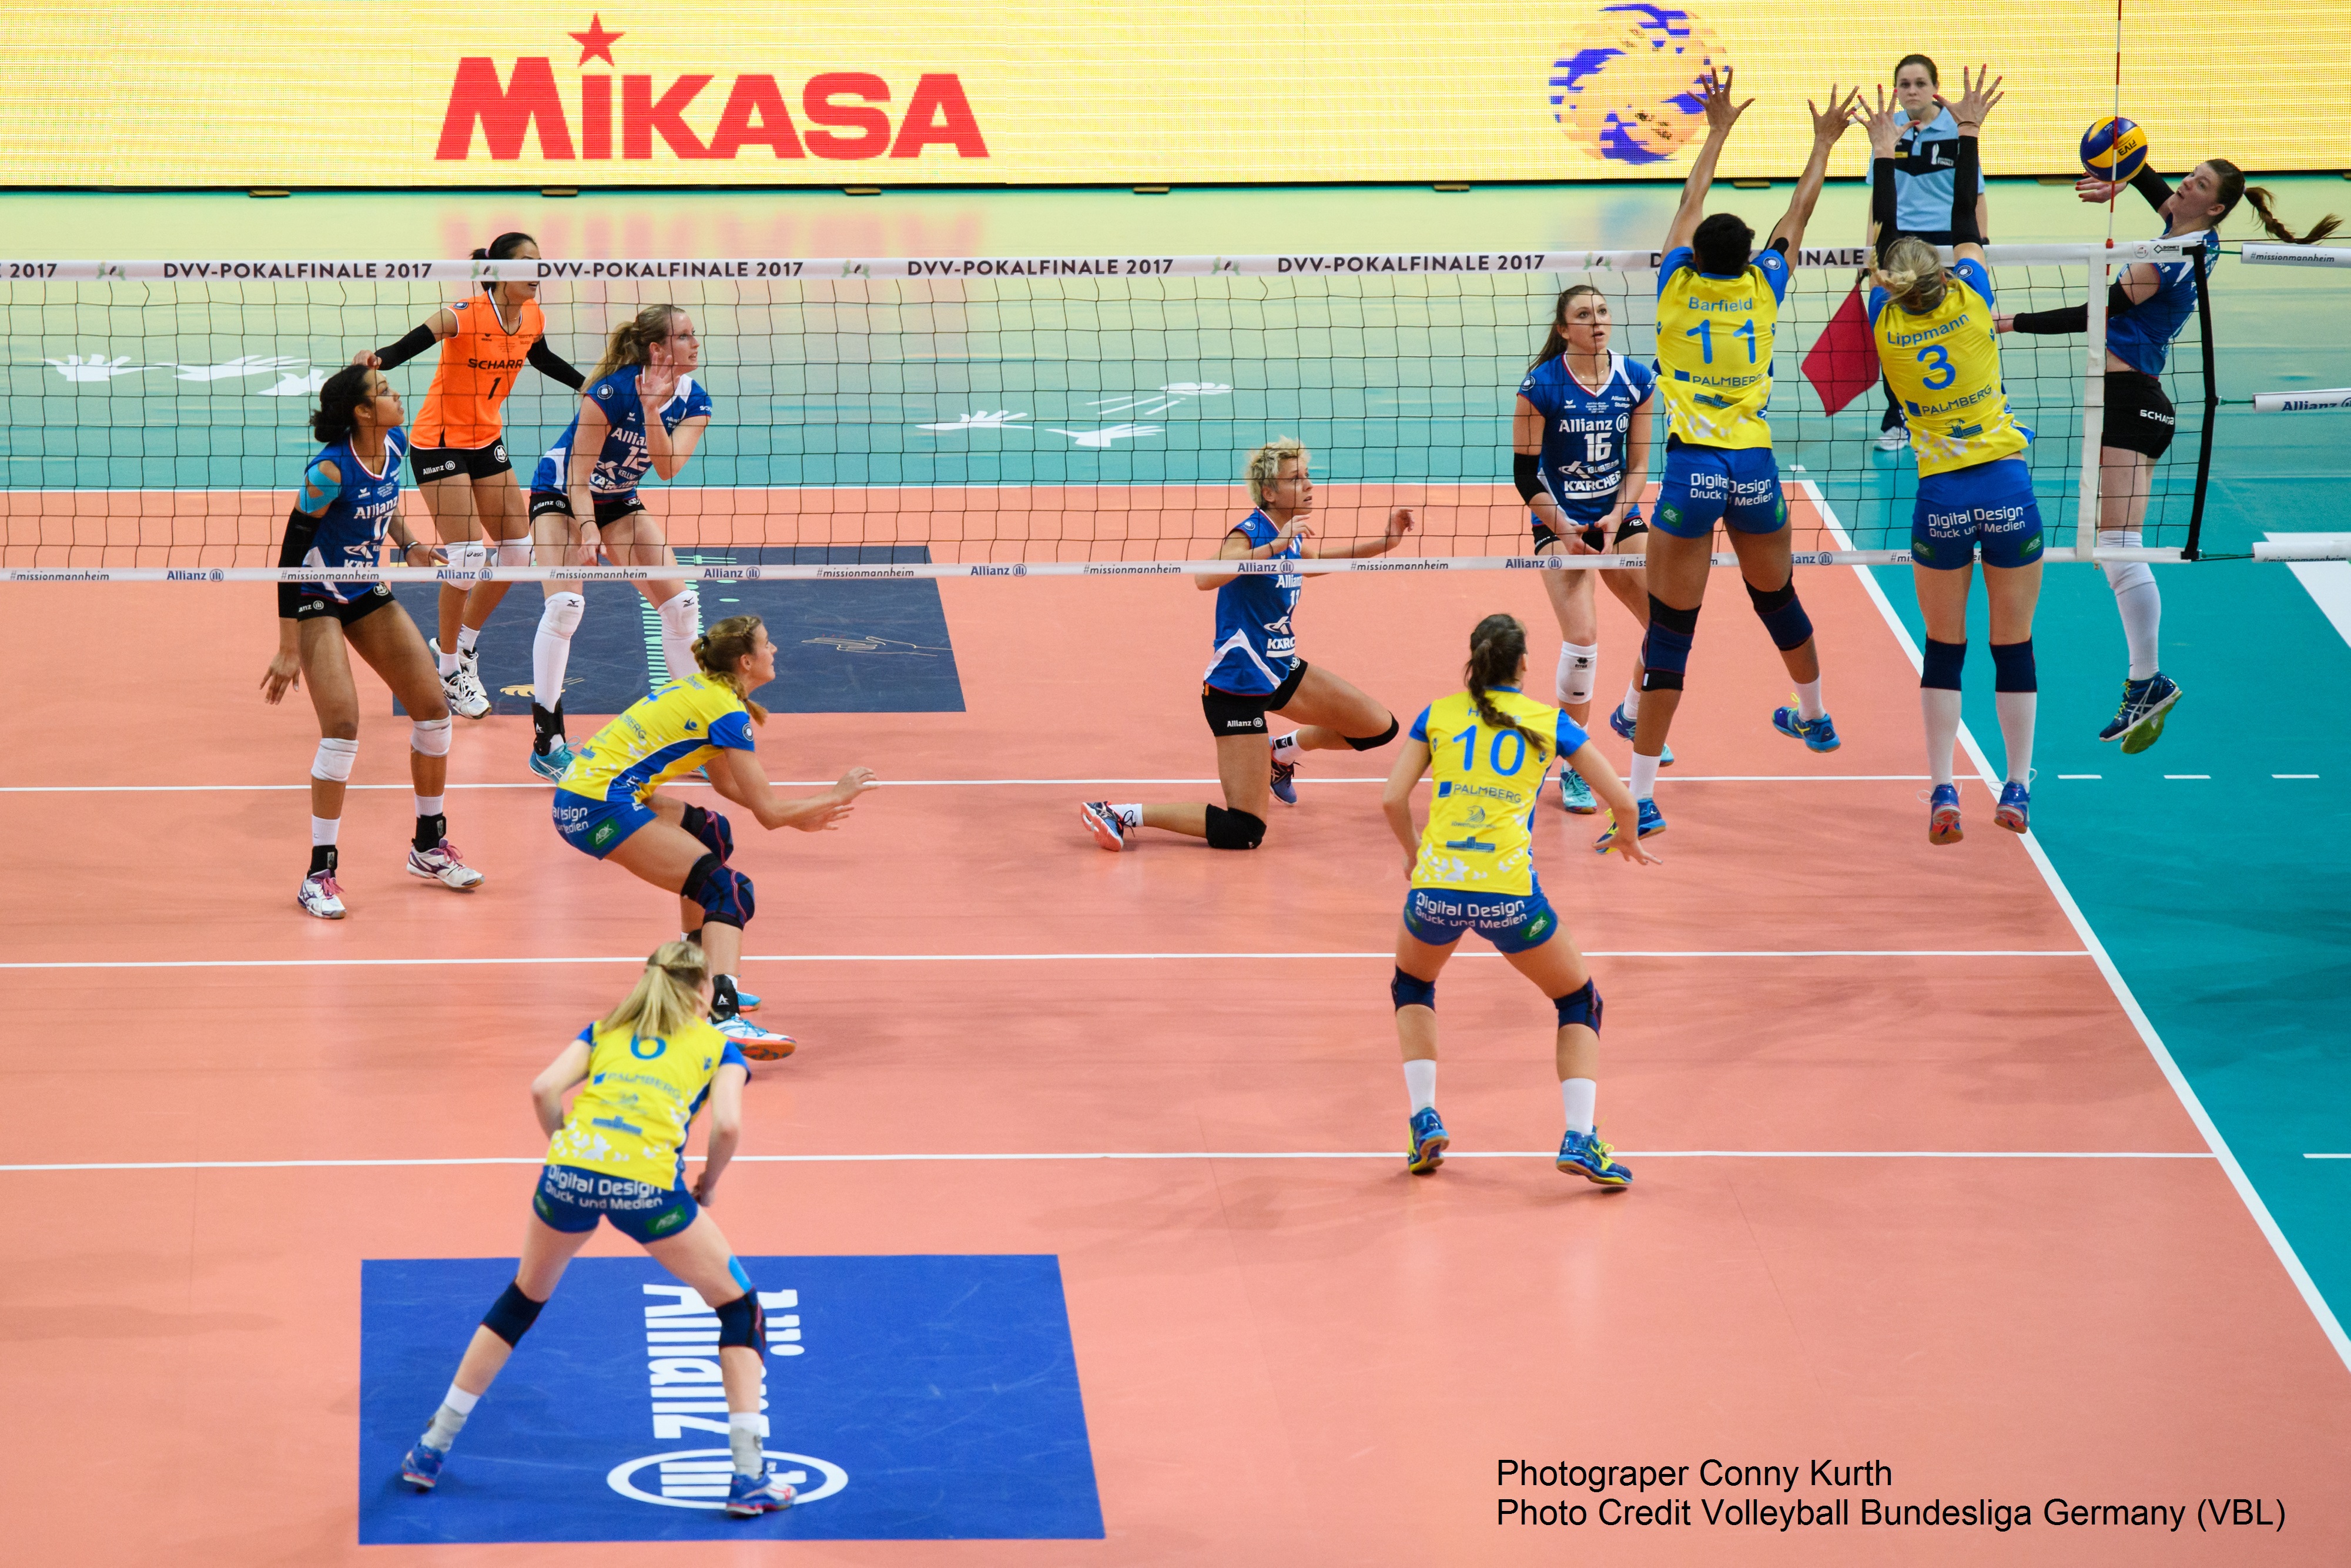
point(1407, 992)
point(1940, 671)
point(742, 1323)
point(1580, 1007)
point(1665, 651)
point(511, 1315)
point(2013, 669)
point(1782, 615)
point(725, 895)
point(712, 830)
point(1234, 830)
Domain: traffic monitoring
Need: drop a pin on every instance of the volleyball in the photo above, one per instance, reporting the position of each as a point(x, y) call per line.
point(2114, 149)
point(1626, 91)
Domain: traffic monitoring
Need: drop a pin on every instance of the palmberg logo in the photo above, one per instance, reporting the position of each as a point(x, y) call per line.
point(697, 1478)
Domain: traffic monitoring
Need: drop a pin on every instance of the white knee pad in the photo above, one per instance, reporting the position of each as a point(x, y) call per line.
point(1579, 669)
point(2122, 576)
point(515, 552)
point(561, 616)
point(429, 736)
point(681, 617)
point(470, 555)
point(334, 760)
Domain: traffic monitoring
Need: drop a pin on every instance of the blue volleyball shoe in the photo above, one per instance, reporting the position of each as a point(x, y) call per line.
point(551, 763)
point(2139, 722)
point(1285, 783)
point(421, 1467)
point(1574, 794)
point(1429, 1143)
point(1943, 815)
point(1820, 734)
point(1584, 1154)
point(1626, 727)
point(2015, 809)
point(1653, 822)
point(748, 1497)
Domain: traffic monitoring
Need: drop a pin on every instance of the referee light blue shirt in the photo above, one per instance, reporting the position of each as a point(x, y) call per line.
point(1926, 170)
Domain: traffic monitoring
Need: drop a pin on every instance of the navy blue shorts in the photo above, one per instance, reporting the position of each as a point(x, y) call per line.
point(1738, 485)
point(1512, 922)
point(598, 827)
point(571, 1201)
point(1988, 503)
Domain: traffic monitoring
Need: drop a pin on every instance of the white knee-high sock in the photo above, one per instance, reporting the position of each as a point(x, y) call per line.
point(1579, 1097)
point(550, 650)
point(2138, 600)
point(1941, 708)
point(2016, 715)
point(680, 620)
point(1420, 1083)
point(1644, 781)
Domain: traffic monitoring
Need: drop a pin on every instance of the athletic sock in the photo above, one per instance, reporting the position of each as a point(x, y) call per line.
point(2137, 601)
point(450, 1420)
point(1420, 1083)
point(550, 647)
point(743, 1438)
point(467, 636)
point(1941, 708)
point(1807, 701)
point(322, 857)
point(2016, 713)
point(429, 805)
point(431, 828)
point(1630, 706)
point(1645, 776)
point(1578, 1095)
point(325, 829)
point(681, 624)
point(1130, 816)
point(446, 662)
point(1286, 748)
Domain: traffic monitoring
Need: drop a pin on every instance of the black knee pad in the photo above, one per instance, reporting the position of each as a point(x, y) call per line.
point(1782, 615)
point(1409, 991)
point(1234, 830)
point(511, 1315)
point(1374, 742)
point(1580, 1007)
point(741, 1322)
point(2013, 666)
point(716, 835)
point(1940, 669)
point(1665, 647)
point(723, 892)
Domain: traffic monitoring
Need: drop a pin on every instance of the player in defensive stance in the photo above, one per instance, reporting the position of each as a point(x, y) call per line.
point(2146, 308)
point(1941, 350)
point(1582, 428)
point(1718, 311)
point(649, 1066)
point(1255, 670)
point(1472, 869)
point(608, 804)
point(460, 449)
point(349, 499)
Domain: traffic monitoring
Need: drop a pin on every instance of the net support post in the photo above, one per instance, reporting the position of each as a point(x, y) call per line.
point(2093, 410)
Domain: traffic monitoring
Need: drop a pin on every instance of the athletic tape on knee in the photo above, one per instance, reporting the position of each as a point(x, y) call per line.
point(1665, 646)
point(1579, 669)
point(1782, 615)
point(1940, 671)
point(741, 1322)
point(334, 760)
point(429, 736)
point(561, 616)
point(2012, 667)
point(1407, 992)
point(1374, 742)
point(712, 828)
point(1580, 1007)
point(516, 552)
point(1234, 830)
point(725, 895)
point(511, 1315)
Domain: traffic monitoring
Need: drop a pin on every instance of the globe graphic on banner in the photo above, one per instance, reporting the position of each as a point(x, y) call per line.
point(1627, 91)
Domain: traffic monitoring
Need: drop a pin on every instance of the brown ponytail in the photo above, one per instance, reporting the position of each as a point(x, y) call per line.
point(2233, 187)
point(1556, 343)
point(1495, 649)
point(721, 647)
point(631, 341)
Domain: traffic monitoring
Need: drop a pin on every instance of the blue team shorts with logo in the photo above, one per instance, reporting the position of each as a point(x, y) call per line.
point(1989, 505)
point(1704, 486)
point(1512, 922)
point(597, 827)
point(572, 1200)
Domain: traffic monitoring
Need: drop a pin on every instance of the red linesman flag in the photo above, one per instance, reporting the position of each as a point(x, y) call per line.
point(1843, 363)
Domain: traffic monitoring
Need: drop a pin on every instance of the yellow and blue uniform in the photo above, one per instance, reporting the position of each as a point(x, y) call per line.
point(1477, 869)
point(621, 1153)
point(1715, 337)
point(1973, 484)
point(602, 797)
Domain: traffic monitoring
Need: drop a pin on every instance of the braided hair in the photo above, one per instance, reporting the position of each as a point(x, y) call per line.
point(1497, 648)
point(2233, 189)
point(721, 647)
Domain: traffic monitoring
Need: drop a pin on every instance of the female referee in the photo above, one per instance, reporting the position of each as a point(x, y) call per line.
point(2146, 308)
point(1940, 351)
point(1583, 428)
point(608, 804)
point(643, 410)
point(460, 451)
point(349, 500)
point(1925, 187)
point(1473, 870)
point(649, 1065)
point(1254, 670)
point(1718, 310)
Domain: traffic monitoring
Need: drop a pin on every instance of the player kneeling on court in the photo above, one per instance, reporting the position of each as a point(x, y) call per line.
point(1472, 869)
point(620, 1155)
point(607, 803)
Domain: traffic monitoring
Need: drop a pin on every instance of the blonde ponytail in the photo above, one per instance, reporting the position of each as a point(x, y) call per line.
point(1912, 274)
point(721, 647)
point(667, 995)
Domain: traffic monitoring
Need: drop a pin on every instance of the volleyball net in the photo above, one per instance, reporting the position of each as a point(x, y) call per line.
point(976, 416)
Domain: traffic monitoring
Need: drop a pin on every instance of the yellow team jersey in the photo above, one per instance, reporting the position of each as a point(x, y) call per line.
point(1945, 367)
point(1714, 347)
point(1480, 831)
point(631, 1119)
point(661, 737)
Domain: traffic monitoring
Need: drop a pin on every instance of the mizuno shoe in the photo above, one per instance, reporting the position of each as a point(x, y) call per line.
point(758, 1044)
point(551, 763)
point(748, 1497)
point(1428, 1145)
point(2015, 809)
point(442, 865)
point(1574, 794)
point(421, 1467)
point(1653, 822)
point(1943, 815)
point(1584, 1154)
point(319, 895)
point(1285, 783)
point(1820, 734)
point(1626, 724)
point(1104, 823)
point(463, 686)
point(2139, 722)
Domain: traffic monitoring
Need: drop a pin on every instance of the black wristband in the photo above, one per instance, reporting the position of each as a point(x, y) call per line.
point(1964, 181)
point(407, 349)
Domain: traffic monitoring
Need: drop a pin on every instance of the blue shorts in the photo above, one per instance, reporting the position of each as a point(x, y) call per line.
point(1991, 502)
point(571, 1201)
point(1704, 486)
point(598, 827)
point(1512, 922)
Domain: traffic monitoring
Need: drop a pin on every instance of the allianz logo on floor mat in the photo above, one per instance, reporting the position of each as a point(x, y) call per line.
point(684, 1383)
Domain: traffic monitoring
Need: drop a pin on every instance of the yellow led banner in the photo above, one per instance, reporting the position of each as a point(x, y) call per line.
point(237, 92)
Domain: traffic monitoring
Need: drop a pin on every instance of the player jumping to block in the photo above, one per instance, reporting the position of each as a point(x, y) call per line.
point(1256, 670)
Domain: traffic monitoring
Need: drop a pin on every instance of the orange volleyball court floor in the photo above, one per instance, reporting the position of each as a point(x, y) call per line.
point(1913, 1190)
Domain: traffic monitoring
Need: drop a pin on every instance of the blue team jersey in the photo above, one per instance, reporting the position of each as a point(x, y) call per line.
point(350, 530)
point(2141, 335)
point(1925, 174)
point(1585, 432)
point(1256, 647)
point(624, 459)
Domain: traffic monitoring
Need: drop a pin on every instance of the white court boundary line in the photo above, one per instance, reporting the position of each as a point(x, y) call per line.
point(2328, 1323)
point(914, 783)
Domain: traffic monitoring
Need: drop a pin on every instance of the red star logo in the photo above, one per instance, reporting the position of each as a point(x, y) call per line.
point(596, 43)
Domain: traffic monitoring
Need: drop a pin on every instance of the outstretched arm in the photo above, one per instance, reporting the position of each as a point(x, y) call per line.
point(1399, 525)
point(736, 776)
point(1828, 124)
point(1977, 100)
point(1721, 114)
